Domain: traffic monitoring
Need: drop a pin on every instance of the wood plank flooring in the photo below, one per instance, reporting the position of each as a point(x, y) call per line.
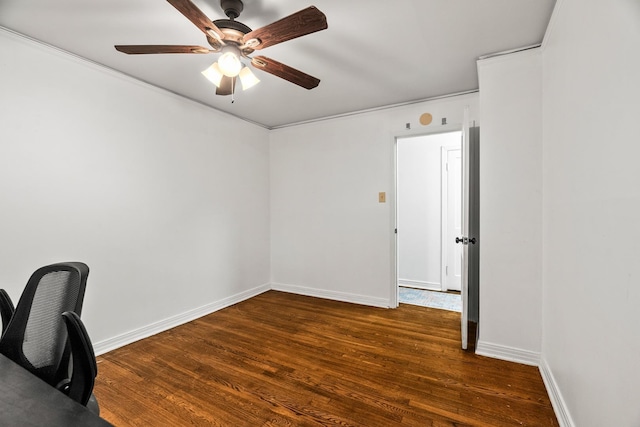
point(280, 359)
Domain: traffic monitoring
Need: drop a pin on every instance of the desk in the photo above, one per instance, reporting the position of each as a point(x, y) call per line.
point(26, 400)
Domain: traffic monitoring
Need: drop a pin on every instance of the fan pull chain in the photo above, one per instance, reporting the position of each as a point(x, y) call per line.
point(233, 89)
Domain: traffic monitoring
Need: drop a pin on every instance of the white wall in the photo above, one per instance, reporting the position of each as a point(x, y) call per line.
point(511, 206)
point(330, 236)
point(591, 68)
point(166, 201)
point(419, 189)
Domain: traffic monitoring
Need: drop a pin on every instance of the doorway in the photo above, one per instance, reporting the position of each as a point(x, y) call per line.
point(429, 219)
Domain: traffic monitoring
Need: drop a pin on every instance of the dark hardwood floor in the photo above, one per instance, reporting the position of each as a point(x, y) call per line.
point(280, 359)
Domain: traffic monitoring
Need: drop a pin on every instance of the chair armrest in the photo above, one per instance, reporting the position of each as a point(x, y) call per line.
point(85, 368)
point(6, 309)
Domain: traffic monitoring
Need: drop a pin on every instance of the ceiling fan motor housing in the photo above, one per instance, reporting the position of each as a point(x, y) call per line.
point(232, 8)
point(234, 32)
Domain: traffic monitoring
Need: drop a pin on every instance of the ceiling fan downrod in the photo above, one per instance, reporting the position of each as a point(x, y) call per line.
point(232, 8)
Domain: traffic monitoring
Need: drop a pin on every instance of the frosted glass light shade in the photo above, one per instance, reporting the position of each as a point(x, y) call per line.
point(247, 78)
point(229, 64)
point(214, 74)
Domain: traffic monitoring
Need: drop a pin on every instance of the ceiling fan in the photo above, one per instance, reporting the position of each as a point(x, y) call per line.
point(234, 40)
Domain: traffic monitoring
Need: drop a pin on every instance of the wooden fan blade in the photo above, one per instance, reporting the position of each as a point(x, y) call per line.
point(285, 72)
point(301, 23)
point(227, 86)
point(138, 49)
point(195, 15)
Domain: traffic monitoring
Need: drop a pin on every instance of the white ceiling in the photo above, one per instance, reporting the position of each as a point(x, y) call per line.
point(375, 53)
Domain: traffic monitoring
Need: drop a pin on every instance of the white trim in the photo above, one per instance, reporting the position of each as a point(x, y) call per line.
point(374, 109)
point(81, 60)
point(332, 295)
point(120, 74)
point(420, 284)
point(444, 213)
point(508, 52)
point(510, 354)
point(395, 138)
point(480, 63)
point(173, 321)
point(557, 401)
point(182, 318)
point(552, 23)
point(416, 132)
point(394, 298)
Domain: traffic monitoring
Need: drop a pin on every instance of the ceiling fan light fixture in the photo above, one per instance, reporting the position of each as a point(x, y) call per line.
point(229, 61)
point(247, 78)
point(214, 74)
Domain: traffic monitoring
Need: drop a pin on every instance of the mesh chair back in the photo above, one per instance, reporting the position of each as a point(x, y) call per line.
point(36, 336)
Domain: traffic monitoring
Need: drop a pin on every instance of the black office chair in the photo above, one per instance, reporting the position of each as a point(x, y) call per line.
point(37, 338)
point(85, 368)
point(6, 309)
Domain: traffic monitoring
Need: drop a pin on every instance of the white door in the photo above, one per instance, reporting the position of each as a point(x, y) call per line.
point(452, 204)
point(464, 292)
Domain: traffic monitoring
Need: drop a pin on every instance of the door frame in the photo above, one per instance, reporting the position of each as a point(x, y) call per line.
point(444, 211)
point(409, 133)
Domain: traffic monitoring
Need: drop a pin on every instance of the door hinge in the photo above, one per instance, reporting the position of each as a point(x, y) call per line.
point(396, 231)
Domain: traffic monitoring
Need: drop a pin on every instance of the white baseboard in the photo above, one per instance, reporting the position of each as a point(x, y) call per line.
point(531, 358)
point(420, 284)
point(173, 321)
point(510, 354)
point(495, 351)
point(107, 345)
point(332, 295)
point(559, 405)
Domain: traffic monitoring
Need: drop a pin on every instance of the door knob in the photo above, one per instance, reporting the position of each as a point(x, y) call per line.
point(466, 240)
